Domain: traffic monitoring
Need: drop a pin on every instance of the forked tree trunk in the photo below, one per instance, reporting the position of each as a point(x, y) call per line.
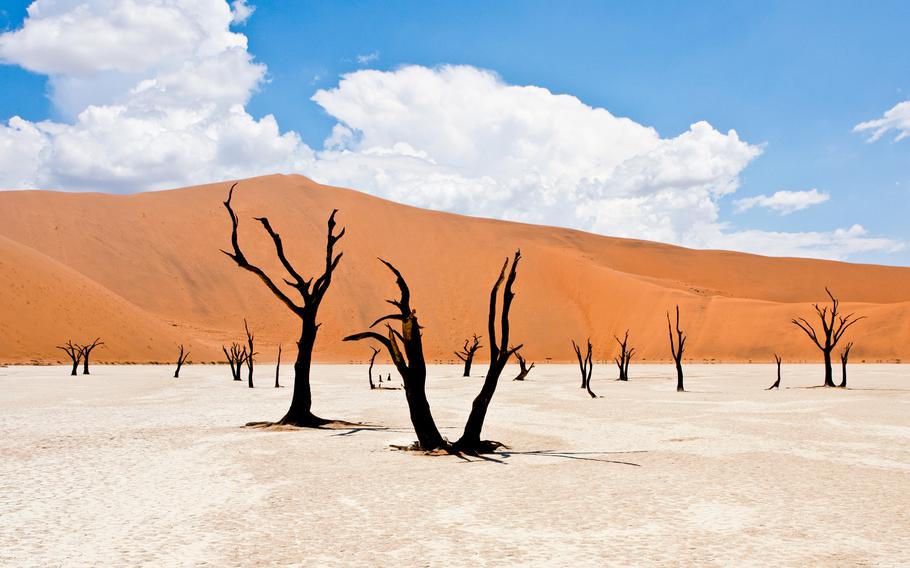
point(87, 351)
point(843, 361)
point(74, 352)
point(523, 367)
point(467, 354)
point(677, 348)
point(181, 359)
point(834, 326)
point(776, 384)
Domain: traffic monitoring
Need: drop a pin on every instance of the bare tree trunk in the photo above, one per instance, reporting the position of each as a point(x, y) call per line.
point(181, 359)
point(87, 351)
point(524, 369)
point(370, 370)
point(586, 365)
point(829, 371)
point(278, 367)
point(843, 361)
point(834, 326)
point(776, 384)
point(250, 354)
point(467, 354)
point(677, 348)
point(625, 356)
point(75, 354)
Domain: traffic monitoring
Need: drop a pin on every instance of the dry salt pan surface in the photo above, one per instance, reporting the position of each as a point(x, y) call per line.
point(129, 466)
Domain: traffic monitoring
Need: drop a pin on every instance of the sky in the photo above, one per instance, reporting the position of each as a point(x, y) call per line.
point(778, 128)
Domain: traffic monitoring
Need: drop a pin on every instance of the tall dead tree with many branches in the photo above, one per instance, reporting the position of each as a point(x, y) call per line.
point(677, 348)
point(235, 358)
point(467, 354)
point(834, 326)
point(411, 364)
point(182, 356)
point(523, 367)
point(75, 354)
point(845, 354)
point(776, 384)
point(311, 292)
point(625, 356)
point(87, 351)
point(586, 366)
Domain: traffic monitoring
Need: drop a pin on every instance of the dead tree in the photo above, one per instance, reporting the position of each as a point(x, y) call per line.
point(776, 384)
point(87, 350)
point(411, 365)
point(181, 359)
point(278, 368)
point(524, 369)
point(677, 349)
point(311, 293)
point(845, 354)
point(467, 354)
point(586, 366)
point(370, 370)
point(625, 356)
point(834, 326)
point(75, 354)
point(235, 358)
point(249, 354)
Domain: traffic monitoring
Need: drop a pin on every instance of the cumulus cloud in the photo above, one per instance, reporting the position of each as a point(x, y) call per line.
point(897, 119)
point(784, 202)
point(155, 95)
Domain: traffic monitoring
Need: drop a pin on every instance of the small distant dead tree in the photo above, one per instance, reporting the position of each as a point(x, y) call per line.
point(586, 366)
point(75, 354)
point(181, 359)
point(625, 356)
point(278, 368)
point(411, 365)
point(524, 368)
point(249, 354)
point(834, 326)
point(677, 348)
point(236, 356)
point(311, 293)
point(845, 354)
point(87, 350)
point(370, 370)
point(467, 354)
point(776, 384)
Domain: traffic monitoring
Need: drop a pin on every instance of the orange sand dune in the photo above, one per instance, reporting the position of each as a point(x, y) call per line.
point(156, 277)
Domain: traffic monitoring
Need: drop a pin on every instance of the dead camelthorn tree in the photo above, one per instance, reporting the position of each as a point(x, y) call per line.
point(677, 348)
point(87, 350)
point(411, 365)
point(278, 368)
point(586, 366)
point(834, 326)
point(181, 359)
point(235, 358)
point(249, 354)
point(311, 294)
point(467, 354)
point(75, 354)
point(845, 354)
point(370, 370)
point(523, 367)
point(625, 356)
point(776, 384)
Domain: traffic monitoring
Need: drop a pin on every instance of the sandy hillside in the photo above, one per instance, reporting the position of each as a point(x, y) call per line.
point(138, 469)
point(158, 252)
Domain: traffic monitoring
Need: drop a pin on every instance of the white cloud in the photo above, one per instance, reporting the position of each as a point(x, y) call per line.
point(368, 58)
point(784, 202)
point(155, 97)
point(897, 118)
point(241, 11)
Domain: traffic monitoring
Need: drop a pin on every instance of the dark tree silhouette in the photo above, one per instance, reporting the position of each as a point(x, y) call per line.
point(181, 359)
point(278, 368)
point(87, 350)
point(776, 384)
point(625, 356)
point(834, 326)
point(249, 354)
point(370, 370)
point(311, 293)
point(524, 369)
point(75, 354)
point(677, 349)
point(235, 358)
point(467, 354)
point(845, 354)
point(411, 365)
point(586, 366)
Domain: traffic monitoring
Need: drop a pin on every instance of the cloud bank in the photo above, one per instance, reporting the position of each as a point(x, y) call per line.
point(154, 95)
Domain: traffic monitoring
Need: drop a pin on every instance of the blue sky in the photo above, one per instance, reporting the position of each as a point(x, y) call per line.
point(793, 80)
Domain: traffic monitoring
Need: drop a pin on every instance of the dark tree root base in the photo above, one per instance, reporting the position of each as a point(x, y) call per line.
point(314, 422)
point(483, 447)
